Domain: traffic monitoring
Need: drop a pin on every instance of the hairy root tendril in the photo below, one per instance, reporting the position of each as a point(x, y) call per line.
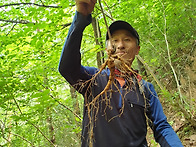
point(92, 104)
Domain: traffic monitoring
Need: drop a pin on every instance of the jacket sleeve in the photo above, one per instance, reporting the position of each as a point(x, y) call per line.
point(163, 132)
point(70, 62)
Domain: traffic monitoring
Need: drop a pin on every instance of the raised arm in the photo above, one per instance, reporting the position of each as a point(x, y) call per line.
point(70, 61)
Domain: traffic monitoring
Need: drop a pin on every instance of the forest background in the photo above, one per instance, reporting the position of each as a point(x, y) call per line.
point(39, 108)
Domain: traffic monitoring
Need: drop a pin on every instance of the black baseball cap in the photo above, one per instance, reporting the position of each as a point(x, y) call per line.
point(117, 25)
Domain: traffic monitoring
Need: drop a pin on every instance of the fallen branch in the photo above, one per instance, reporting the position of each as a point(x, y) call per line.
point(151, 72)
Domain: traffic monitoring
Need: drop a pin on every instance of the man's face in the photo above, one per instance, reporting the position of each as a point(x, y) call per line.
point(125, 44)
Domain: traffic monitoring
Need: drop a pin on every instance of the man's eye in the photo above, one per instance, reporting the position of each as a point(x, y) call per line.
point(126, 39)
point(115, 40)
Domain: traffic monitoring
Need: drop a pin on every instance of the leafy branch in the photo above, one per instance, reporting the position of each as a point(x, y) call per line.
point(66, 25)
point(23, 139)
point(2, 128)
point(17, 21)
point(66, 107)
point(187, 115)
point(63, 104)
point(53, 97)
point(32, 123)
point(16, 4)
point(27, 22)
point(169, 56)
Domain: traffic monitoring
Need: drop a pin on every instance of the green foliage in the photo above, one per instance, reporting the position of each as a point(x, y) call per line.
point(32, 91)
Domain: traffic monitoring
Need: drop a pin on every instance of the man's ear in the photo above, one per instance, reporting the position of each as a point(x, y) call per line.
point(138, 50)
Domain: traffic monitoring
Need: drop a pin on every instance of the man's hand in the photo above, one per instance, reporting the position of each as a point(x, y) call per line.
point(85, 7)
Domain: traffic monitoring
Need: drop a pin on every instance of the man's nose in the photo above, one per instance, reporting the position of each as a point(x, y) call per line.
point(120, 45)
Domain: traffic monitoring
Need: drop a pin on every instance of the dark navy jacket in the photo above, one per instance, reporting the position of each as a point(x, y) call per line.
point(111, 129)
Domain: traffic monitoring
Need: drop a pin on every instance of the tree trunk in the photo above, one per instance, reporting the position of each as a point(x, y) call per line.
point(76, 103)
point(50, 126)
point(76, 107)
point(48, 111)
point(97, 34)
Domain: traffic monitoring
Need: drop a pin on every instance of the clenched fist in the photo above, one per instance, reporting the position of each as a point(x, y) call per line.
point(85, 7)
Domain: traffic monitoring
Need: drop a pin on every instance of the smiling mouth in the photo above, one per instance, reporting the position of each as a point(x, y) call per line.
point(120, 53)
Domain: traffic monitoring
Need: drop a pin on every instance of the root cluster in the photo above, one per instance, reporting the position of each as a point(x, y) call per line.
point(93, 104)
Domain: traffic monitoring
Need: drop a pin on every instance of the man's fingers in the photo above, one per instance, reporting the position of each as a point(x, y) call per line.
point(85, 7)
point(87, 1)
point(94, 1)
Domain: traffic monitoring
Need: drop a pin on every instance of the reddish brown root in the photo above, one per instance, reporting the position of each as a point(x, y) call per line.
point(92, 105)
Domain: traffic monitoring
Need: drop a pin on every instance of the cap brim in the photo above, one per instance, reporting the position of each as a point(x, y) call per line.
point(117, 25)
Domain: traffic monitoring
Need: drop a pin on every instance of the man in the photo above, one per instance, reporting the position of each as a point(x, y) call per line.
point(122, 122)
